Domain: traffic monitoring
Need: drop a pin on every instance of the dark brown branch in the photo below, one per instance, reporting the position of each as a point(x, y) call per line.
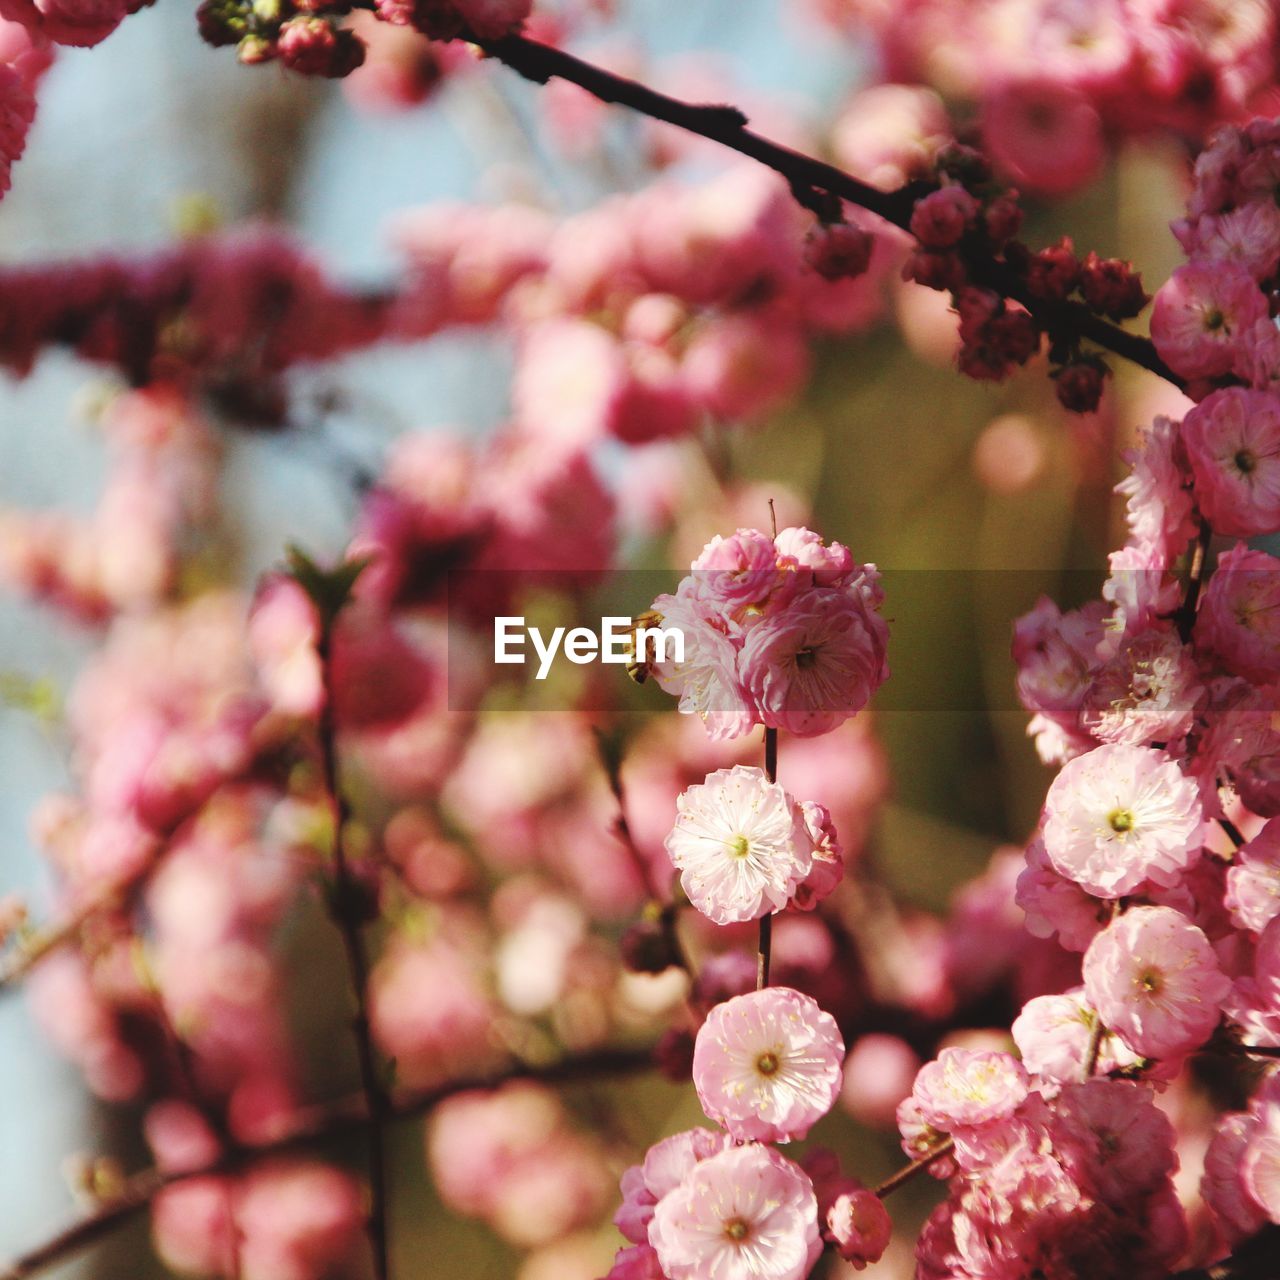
point(347, 904)
point(306, 1129)
point(1186, 616)
point(907, 1172)
point(813, 182)
point(764, 952)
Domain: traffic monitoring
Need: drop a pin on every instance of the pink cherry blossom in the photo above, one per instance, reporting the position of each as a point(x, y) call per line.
point(1261, 1165)
point(1118, 816)
point(1045, 136)
point(1055, 904)
point(741, 575)
point(745, 1214)
point(706, 681)
point(816, 663)
point(1232, 439)
point(740, 844)
point(1155, 981)
point(1200, 314)
point(1053, 1034)
point(1253, 882)
point(1239, 616)
point(666, 1164)
point(965, 1087)
point(828, 858)
point(859, 1224)
point(1222, 1185)
point(831, 564)
point(767, 1064)
point(1113, 1138)
point(1148, 692)
point(1157, 502)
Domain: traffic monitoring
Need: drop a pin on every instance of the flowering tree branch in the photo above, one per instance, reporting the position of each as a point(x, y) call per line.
point(916, 1167)
point(307, 1128)
point(814, 183)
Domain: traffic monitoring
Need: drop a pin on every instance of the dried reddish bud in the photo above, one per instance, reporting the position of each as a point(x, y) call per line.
point(976, 308)
point(839, 251)
point(1079, 385)
point(1112, 287)
point(1003, 218)
point(940, 220)
point(315, 47)
point(942, 271)
point(1052, 273)
point(1016, 334)
point(965, 164)
point(434, 18)
point(673, 1055)
point(982, 361)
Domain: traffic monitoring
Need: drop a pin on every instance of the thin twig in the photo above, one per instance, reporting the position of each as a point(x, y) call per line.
point(905, 1174)
point(668, 913)
point(348, 915)
point(764, 952)
point(1186, 616)
point(33, 949)
point(305, 1129)
point(814, 183)
point(1261, 1050)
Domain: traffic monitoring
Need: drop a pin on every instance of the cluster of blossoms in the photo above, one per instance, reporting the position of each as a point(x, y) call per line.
point(1155, 859)
point(641, 320)
point(783, 631)
point(1053, 83)
point(767, 1064)
point(649, 315)
point(1047, 1177)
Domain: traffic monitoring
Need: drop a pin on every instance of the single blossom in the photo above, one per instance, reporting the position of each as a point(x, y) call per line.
point(1055, 904)
point(706, 678)
point(859, 1225)
point(1239, 616)
point(740, 575)
point(1053, 1034)
point(767, 1064)
point(818, 661)
point(1155, 981)
point(966, 1087)
point(1148, 692)
point(1113, 1138)
point(1232, 440)
point(1157, 501)
point(1261, 1165)
point(745, 1214)
point(1200, 313)
point(1222, 1186)
point(828, 858)
point(740, 844)
point(666, 1164)
point(1253, 882)
point(1119, 816)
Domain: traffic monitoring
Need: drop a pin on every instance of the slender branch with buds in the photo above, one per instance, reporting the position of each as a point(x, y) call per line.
point(816, 185)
